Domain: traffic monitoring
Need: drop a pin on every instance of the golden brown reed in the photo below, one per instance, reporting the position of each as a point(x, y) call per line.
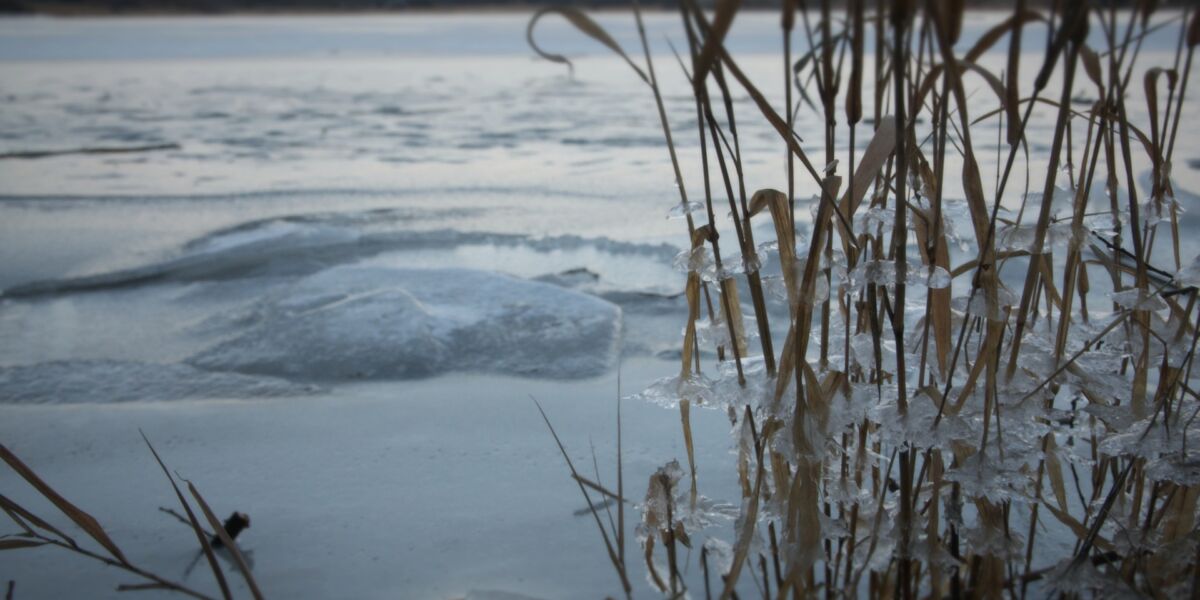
point(849, 525)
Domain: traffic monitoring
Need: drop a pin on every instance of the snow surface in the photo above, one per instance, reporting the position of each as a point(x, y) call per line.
point(429, 489)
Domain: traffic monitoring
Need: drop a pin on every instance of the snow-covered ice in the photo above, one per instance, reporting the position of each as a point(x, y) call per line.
point(329, 305)
point(369, 323)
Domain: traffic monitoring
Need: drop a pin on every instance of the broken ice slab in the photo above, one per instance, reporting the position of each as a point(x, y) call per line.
point(932, 277)
point(697, 260)
point(884, 272)
point(681, 210)
point(702, 262)
point(380, 323)
point(738, 265)
point(979, 304)
point(988, 475)
point(1189, 275)
point(1157, 211)
point(1023, 238)
point(1138, 299)
point(873, 221)
point(668, 391)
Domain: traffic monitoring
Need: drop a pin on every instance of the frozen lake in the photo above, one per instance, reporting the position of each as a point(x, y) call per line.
point(362, 243)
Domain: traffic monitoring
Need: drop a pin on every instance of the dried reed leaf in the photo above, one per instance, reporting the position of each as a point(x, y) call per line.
point(1091, 66)
point(1076, 527)
point(1047, 280)
point(692, 292)
point(804, 517)
point(981, 362)
point(732, 306)
point(1150, 84)
point(935, 75)
point(939, 299)
point(1138, 134)
point(785, 364)
point(595, 486)
point(85, 521)
point(764, 106)
point(585, 24)
point(879, 149)
point(781, 471)
point(743, 467)
point(750, 517)
point(765, 199)
point(972, 184)
point(991, 79)
point(685, 417)
point(13, 544)
point(993, 35)
point(614, 556)
point(777, 202)
point(1181, 514)
point(1054, 471)
point(714, 39)
point(19, 514)
point(681, 534)
point(968, 266)
point(936, 473)
point(223, 535)
point(201, 538)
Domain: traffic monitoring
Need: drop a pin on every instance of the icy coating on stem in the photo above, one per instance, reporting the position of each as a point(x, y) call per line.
point(950, 396)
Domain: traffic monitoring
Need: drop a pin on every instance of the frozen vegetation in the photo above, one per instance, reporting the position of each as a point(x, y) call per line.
point(346, 251)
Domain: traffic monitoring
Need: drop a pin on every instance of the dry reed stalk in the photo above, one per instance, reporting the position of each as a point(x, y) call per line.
point(986, 378)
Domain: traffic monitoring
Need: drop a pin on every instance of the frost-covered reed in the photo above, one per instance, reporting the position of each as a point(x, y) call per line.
point(984, 389)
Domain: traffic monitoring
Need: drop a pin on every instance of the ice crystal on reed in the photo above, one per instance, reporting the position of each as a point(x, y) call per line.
point(680, 211)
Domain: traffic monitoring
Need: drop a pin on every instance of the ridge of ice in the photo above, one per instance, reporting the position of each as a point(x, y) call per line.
point(373, 322)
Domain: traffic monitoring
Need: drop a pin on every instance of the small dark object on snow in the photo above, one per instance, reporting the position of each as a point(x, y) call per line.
point(233, 526)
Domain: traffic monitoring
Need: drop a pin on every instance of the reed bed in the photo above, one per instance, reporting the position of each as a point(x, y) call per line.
point(970, 392)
